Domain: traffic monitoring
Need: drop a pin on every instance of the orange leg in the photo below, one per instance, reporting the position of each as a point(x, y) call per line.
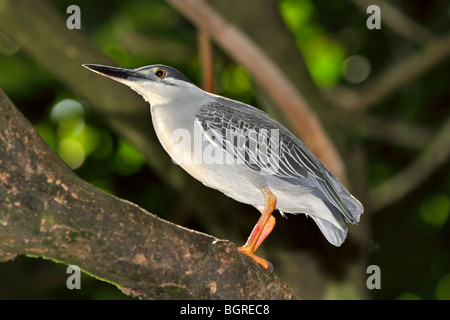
point(266, 231)
point(261, 230)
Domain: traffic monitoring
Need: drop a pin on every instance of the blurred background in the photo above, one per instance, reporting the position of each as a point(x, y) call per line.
point(382, 96)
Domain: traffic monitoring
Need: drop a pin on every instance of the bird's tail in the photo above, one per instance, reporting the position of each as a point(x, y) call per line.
point(335, 235)
point(353, 206)
point(349, 210)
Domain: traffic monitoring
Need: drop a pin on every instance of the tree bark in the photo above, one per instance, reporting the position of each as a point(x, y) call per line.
point(47, 211)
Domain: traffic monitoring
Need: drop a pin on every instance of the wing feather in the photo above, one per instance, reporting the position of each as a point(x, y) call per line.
point(243, 132)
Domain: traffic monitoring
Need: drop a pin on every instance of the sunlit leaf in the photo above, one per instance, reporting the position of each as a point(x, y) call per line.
point(409, 296)
point(236, 80)
point(296, 12)
point(72, 152)
point(443, 288)
point(47, 132)
point(325, 58)
point(127, 160)
point(435, 209)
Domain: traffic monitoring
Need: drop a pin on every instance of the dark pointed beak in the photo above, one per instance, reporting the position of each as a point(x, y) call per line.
point(118, 74)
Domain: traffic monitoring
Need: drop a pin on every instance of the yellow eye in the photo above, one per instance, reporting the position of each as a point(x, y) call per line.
point(160, 73)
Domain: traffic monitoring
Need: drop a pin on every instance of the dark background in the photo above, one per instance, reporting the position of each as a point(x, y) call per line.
point(406, 237)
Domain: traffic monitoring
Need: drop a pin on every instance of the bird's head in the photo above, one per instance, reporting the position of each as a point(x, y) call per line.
point(158, 83)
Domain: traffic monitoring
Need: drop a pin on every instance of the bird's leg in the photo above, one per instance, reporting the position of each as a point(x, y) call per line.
point(261, 230)
point(265, 232)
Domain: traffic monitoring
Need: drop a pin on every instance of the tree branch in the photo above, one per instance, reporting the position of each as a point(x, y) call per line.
point(398, 22)
point(395, 188)
point(394, 77)
point(207, 61)
point(396, 132)
point(47, 211)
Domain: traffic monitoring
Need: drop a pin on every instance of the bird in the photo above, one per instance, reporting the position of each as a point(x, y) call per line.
point(241, 151)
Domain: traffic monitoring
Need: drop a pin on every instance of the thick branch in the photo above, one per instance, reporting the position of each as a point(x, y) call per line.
point(47, 211)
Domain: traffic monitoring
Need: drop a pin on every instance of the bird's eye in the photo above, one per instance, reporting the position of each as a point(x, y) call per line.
point(160, 73)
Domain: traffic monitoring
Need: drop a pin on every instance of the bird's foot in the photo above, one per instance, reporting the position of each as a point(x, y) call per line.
point(263, 262)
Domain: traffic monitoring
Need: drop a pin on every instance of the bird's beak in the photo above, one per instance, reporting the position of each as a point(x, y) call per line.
point(118, 74)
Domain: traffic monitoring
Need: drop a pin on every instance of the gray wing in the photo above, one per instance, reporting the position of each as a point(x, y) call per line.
point(266, 146)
